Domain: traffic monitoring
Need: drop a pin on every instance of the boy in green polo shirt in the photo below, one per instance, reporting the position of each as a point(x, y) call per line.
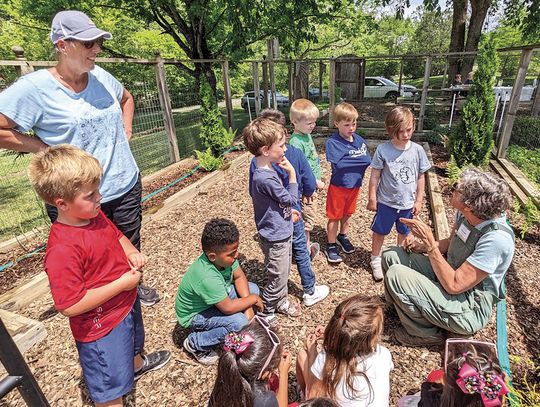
point(304, 115)
point(214, 296)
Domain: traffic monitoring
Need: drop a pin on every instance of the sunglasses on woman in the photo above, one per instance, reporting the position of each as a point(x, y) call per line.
point(273, 338)
point(88, 44)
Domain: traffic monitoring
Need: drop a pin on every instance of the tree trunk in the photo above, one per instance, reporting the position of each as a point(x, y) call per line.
point(457, 36)
point(478, 16)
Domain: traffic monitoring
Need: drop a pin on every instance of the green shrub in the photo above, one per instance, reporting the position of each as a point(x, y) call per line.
point(526, 131)
point(207, 160)
point(438, 135)
point(213, 134)
point(472, 140)
point(453, 171)
point(527, 160)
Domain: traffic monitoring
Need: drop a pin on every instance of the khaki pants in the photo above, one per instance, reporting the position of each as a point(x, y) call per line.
point(422, 304)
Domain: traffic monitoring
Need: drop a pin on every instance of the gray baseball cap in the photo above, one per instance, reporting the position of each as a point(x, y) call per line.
point(73, 24)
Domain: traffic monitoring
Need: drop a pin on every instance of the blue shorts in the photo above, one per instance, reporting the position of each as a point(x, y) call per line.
point(107, 363)
point(386, 217)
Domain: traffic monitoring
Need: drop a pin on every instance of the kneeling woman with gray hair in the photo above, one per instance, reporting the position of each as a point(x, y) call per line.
point(452, 284)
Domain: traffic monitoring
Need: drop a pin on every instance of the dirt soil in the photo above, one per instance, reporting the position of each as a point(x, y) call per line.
point(172, 243)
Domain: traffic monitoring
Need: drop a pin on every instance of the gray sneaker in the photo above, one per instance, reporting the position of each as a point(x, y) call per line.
point(153, 361)
point(289, 308)
point(208, 357)
point(147, 295)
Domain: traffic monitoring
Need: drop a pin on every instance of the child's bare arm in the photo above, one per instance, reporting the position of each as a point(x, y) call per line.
point(135, 257)
point(240, 282)
point(229, 306)
point(372, 189)
point(97, 296)
point(283, 369)
point(420, 188)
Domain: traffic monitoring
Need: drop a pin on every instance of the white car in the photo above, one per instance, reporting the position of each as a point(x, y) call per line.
point(383, 88)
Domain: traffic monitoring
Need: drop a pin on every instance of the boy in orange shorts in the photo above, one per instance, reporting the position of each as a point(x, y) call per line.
point(348, 154)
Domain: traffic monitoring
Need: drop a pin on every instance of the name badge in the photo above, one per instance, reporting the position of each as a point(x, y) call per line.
point(463, 232)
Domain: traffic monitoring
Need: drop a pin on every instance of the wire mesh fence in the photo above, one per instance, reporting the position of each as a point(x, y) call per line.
point(524, 144)
point(373, 85)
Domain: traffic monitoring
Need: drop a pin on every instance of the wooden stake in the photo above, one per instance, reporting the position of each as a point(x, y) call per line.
point(227, 91)
point(165, 102)
point(423, 100)
point(332, 93)
point(506, 132)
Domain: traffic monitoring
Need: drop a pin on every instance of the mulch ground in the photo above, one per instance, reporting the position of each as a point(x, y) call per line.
point(172, 243)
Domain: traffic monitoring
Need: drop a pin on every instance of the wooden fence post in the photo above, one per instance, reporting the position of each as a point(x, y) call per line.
point(165, 102)
point(332, 93)
point(423, 100)
point(256, 87)
point(510, 116)
point(227, 91)
point(271, 73)
point(265, 84)
point(400, 86)
point(321, 72)
point(19, 56)
point(291, 80)
point(535, 110)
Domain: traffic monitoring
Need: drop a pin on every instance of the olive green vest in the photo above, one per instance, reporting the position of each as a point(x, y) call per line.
point(459, 251)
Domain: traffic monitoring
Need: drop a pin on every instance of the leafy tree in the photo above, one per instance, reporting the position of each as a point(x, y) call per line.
point(525, 15)
point(472, 140)
point(209, 29)
point(432, 35)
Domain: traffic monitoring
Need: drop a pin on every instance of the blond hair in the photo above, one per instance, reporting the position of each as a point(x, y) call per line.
point(60, 172)
point(345, 112)
point(398, 119)
point(262, 132)
point(303, 109)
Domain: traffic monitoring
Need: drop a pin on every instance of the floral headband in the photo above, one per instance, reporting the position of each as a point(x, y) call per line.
point(237, 342)
point(488, 384)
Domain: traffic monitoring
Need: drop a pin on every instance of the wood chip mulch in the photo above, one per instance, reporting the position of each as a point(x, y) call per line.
point(173, 242)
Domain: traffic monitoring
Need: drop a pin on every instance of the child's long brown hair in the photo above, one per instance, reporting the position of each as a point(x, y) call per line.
point(353, 331)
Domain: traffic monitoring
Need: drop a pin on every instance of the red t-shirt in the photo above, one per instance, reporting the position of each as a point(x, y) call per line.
point(80, 258)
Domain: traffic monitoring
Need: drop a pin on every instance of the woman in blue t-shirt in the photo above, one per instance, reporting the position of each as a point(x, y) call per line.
point(79, 103)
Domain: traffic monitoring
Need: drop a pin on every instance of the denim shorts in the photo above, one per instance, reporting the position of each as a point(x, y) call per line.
point(107, 363)
point(386, 217)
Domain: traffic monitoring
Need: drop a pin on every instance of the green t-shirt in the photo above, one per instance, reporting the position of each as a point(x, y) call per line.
point(202, 286)
point(305, 143)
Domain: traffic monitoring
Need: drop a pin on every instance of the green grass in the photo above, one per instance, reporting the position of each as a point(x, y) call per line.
point(434, 81)
point(21, 210)
point(527, 160)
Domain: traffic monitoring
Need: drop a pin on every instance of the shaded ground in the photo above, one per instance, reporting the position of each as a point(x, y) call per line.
point(172, 243)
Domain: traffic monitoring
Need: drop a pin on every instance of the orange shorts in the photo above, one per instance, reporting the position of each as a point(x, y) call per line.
point(341, 202)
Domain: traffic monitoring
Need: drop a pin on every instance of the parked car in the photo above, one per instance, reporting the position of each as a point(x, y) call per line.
point(313, 94)
point(249, 97)
point(381, 87)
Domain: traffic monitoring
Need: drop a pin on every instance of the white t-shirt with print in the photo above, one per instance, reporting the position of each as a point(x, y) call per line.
point(377, 367)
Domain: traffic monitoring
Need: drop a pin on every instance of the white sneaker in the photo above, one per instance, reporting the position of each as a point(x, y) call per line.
point(319, 294)
point(376, 268)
